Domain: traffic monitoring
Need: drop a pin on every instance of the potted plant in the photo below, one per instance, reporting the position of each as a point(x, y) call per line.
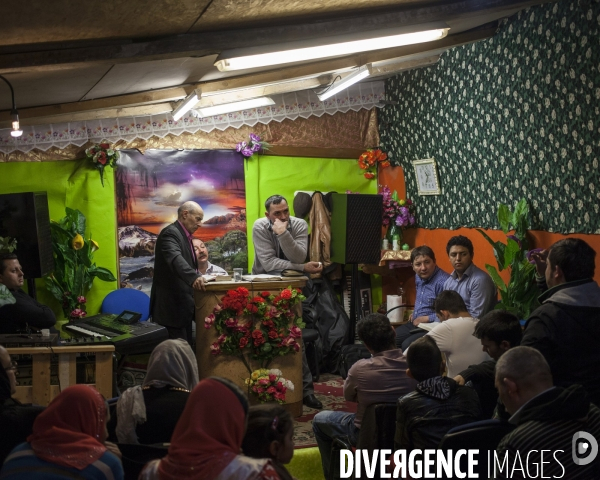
point(520, 295)
point(74, 267)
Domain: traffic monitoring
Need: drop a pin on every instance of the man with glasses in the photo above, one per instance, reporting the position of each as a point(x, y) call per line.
point(176, 273)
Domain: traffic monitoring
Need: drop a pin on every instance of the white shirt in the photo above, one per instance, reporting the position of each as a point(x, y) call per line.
point(454, 337)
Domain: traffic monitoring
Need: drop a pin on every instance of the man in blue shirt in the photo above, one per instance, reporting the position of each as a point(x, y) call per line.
point(473, 284)
point(429, 282)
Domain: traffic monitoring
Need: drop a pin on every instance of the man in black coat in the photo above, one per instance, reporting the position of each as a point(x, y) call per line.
point(19, 311)
point(176, 273)
point(566, 326)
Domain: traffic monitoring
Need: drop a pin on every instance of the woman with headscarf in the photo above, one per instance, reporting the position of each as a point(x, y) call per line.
point(206, 444)
point(14, 417)
point(147, 414)
point(68, 441)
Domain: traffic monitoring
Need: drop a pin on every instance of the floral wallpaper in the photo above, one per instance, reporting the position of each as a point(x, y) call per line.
point(517, 115)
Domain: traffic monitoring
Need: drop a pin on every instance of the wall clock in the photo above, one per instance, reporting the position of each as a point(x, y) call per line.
point(428, 181)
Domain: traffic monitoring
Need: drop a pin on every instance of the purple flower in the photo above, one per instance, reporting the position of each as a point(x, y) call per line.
point(254, 138)
point(515, 239)
point(240, 146)
point(256, 147)
point(531, 252)
point(247, 152)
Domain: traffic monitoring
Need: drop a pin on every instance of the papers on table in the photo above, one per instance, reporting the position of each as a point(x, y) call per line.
point(260, 278)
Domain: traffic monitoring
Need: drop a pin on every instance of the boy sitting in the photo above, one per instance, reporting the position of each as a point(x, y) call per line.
point(437, 404)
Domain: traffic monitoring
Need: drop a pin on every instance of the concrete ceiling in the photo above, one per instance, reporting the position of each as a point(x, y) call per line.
point(72, 60)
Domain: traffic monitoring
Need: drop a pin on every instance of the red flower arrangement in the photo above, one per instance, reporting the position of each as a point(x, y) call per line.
point(102, 156)
point(264, 325)
point(369, 160)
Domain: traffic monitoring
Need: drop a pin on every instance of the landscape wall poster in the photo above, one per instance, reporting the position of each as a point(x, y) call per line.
point(151, 186)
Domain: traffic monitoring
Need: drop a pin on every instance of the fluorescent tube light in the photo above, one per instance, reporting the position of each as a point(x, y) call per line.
point(243, 58)
point(188, 103)
point(235, 106)
point(354, 77)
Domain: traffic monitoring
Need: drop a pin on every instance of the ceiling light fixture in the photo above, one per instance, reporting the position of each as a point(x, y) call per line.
point(235, 106)
point(187, 104)
point(354, 77)
point(300, 51)
point(14, 115)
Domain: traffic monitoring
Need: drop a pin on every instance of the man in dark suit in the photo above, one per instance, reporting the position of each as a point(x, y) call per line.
point(176, 273)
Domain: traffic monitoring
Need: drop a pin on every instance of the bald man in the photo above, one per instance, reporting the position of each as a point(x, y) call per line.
point(176, 274)
point(551, 422)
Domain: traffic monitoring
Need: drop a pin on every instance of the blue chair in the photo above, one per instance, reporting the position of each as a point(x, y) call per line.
point(127, 299)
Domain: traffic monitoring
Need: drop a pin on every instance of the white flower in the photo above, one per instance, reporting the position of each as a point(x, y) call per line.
point(288, 384)
point(276, 371)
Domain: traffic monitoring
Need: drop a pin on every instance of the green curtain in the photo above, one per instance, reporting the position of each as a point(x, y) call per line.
point(72, 184)
point(269, 175)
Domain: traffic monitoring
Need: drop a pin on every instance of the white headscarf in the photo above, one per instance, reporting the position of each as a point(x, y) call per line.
point(171, 364)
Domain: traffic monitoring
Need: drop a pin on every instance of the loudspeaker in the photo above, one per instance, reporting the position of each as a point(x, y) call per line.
point(25, 216)
point(356, 228)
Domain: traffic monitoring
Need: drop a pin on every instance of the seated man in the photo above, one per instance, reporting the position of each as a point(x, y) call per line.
point(204, 266)
point(566, 327)
point(16, 420)
point(25, 312)
point(498, 332)
point(473, 284)
point(549, 421)
point(280, 243)
point(438, 403)
point(379, 379)
point(454, 336)
point(429, 282)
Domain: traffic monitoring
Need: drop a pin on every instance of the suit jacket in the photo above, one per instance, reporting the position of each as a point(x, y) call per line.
point(172, 295)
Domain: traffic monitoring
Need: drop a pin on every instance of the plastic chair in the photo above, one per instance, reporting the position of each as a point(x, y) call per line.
point(127, 299)
point(484, 435)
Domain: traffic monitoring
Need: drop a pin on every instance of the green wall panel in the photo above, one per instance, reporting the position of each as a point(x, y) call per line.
point(268, 175)
point(513, 116)
point(72, 184)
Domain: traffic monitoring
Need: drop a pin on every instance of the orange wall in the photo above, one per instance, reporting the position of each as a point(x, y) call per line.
point(438, 238)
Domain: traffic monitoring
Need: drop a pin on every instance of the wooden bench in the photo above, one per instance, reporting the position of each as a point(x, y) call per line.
point(41, 392)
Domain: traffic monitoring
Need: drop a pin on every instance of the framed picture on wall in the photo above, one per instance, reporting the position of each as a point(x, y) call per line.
point(428, 181)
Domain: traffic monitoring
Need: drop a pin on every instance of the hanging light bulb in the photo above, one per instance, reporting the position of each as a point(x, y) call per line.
point(14, 115)
point(16, 129)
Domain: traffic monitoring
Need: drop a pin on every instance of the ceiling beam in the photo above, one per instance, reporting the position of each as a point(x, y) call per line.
point(261, 91)
point(214, 42)
point(402, 66)
point(228, 86)
point(142, 110)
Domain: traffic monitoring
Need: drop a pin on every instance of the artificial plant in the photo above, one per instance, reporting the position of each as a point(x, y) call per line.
point(520, 295)
point(74, 267)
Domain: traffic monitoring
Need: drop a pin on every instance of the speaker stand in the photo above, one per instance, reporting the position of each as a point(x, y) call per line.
point(31, 289)
point(355, 304)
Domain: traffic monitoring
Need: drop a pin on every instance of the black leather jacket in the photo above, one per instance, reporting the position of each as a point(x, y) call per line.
point(436, 406)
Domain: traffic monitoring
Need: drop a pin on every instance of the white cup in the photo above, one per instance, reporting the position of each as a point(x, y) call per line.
point(396, 245)
point(385, 244)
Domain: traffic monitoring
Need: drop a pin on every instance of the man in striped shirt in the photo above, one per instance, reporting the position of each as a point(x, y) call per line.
point(429, 281)
point(556, 428)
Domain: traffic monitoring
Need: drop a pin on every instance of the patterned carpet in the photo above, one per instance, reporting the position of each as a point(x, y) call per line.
point(329, 390)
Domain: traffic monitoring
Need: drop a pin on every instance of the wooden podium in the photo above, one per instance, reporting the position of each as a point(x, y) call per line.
point(231, 367)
